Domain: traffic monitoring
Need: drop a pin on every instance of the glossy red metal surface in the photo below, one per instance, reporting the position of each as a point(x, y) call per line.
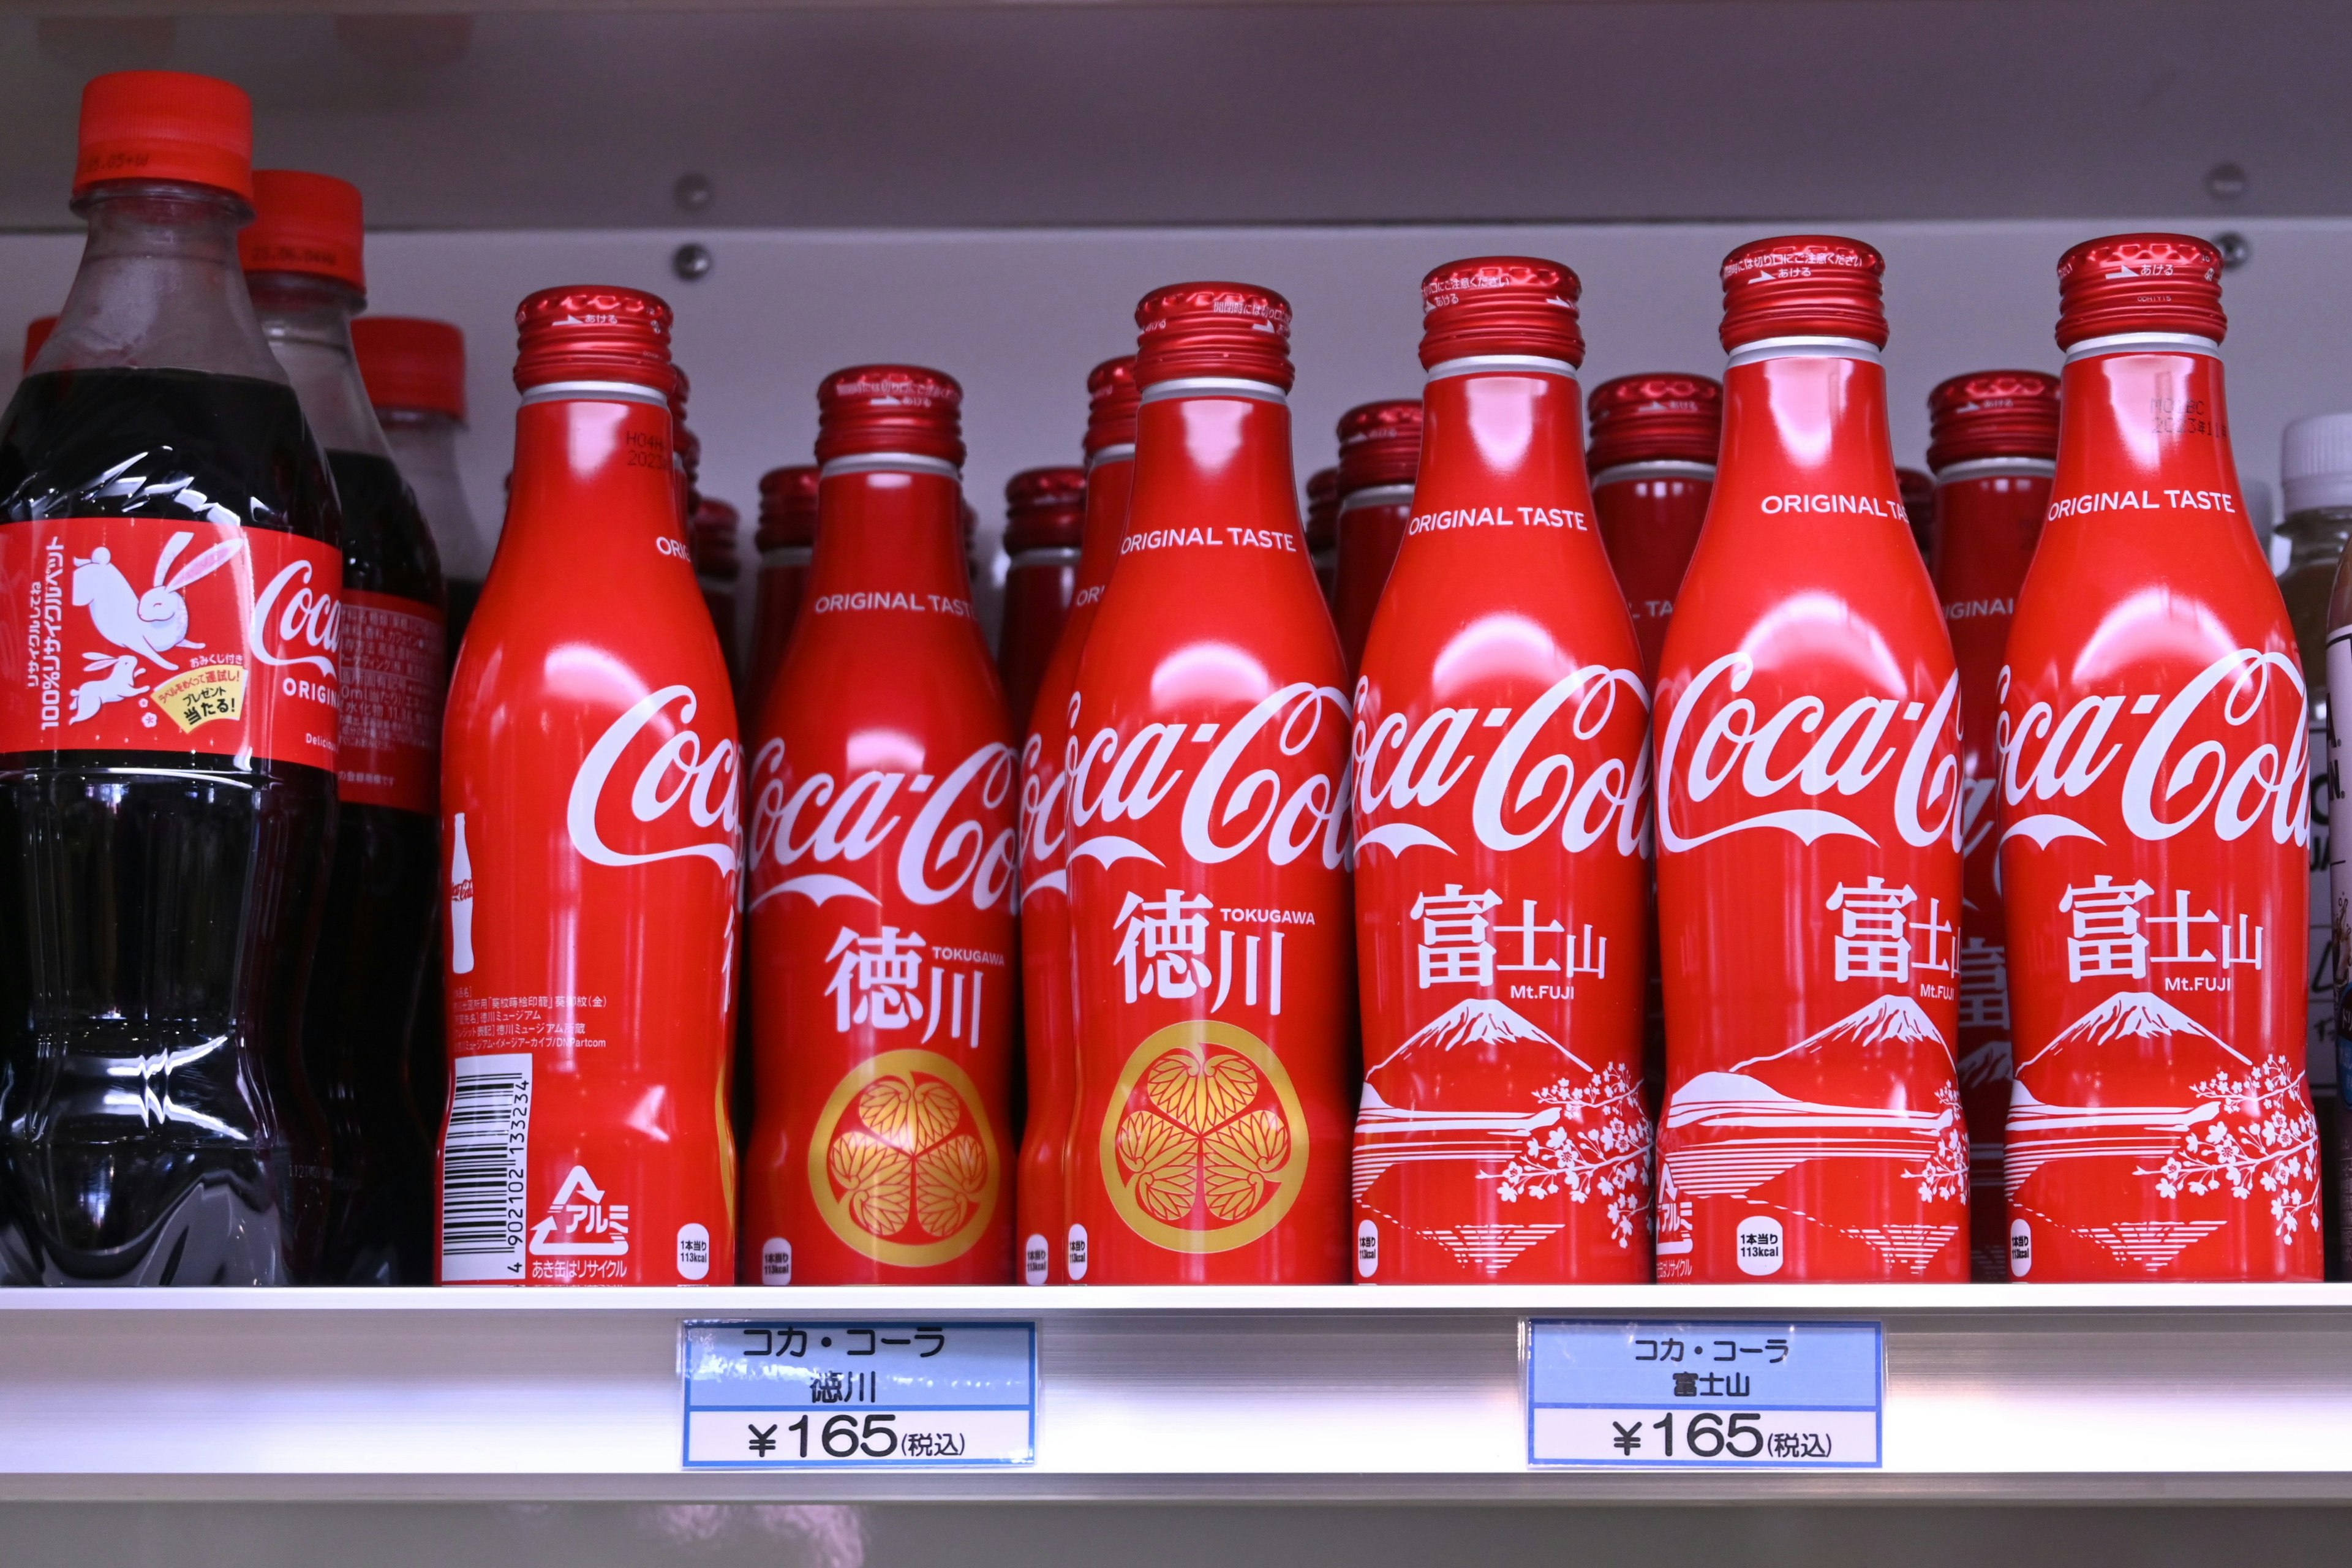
point(1322, 526)
point(1379, 452)
point(1045, 522)
point(1653, 466)
point(786, 538)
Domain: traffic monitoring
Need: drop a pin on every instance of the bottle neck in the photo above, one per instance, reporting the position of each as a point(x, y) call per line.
point(1206, 462)
point(1808, 424)
point(424, 447)
point(2146, 429)
point(1110, 486)
point(1486, 433)
point(308, 323)
point(2318, 535)
point(160, 287)
point(591, 476)
point(883, 529)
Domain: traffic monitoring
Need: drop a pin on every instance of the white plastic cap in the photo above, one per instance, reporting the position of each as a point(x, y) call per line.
point(2316, 462)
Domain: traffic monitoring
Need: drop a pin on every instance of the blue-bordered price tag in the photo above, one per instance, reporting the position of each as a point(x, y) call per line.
point(1660, 1396)
point(787, 1394)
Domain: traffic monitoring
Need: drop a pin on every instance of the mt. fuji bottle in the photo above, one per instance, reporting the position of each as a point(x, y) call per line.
point(1655, 439)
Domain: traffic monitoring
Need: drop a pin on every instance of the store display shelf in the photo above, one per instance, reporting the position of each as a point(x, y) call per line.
point(1391, 1393)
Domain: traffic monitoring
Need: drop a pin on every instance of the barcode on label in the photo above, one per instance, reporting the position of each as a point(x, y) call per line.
point(484, 1161)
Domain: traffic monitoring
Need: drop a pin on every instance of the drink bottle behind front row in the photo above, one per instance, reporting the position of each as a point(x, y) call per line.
point(1208, 838)
point(1502, 772)
point(1322, 525)
point(415, 374)
point(1049, 1014)
point(787, 535)
point(884, 854)
point(2155, 818)
point(590, 821)
point(1045, 522)
point(1808, 813)
point(1992, 436)
point(1655, 439)
point(167, 772)
point(1379, 452)
point(302, 264)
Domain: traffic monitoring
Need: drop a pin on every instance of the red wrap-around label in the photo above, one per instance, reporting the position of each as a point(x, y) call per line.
point(392, 675)
point(166, 635)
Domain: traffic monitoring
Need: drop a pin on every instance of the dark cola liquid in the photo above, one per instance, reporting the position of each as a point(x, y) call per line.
point(366, 979)
point(157, 908)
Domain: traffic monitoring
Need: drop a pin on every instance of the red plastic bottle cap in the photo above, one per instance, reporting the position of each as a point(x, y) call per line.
point(1230, 330)
point(36, 333)
point(1046, 508)
point(890, 408)
point(1992, 413)
point(304, 223)
point(165, 125)
point(2140, 283)
point(788, 507)
point(1323, 510)
point(1803, 285)
point(1500, 305)
point(1111, 399)
point(412, 364)
point(1379, 444)
point(1657, 418)
point(594, 332)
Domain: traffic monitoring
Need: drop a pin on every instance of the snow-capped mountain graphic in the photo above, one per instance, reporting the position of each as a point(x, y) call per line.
point(1480, 1021)
point(1888, 1020)
point(2129, 1018)
point(1989, 1063)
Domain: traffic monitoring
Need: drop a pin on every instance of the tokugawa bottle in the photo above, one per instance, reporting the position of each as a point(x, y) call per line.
point(1502, 773)
point(302, 264)
point(1992, 440)
point(1208, 765)
point(2155, 818)
point(590, 809)
point(1049, 1017)
point(1808, 817)
point(1379, 452)
point(884, 855)
point(1653, 465)
point(167, 772)
point(1045, 522)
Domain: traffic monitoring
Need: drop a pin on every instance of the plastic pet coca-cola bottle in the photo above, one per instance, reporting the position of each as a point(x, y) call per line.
point(1045, 519)
point(589, 797)
point(2156, 816)
point(1049, 1018)
point(167, 779)
point(1653, 466)
point(302, 264)
point(1808, 819)
point(787, 536)
point(1208, 838)
point(1502, 807)
point(1322, 529)
point(884, 850)
point(416, 376)
point(1992, 436)
point(1379, 452)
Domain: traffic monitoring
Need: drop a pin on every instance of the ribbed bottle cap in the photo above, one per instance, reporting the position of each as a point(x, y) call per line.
point(36, 333)
point(1500, 305)
point(890, 408)
point(2316, 462)
point(1046, 508)
point(1379, 444)
point(1232, 330)
point(304, 223)
point(165, 125)
point(788, 507)
point(1663, 418)
point(594, 332)
point(711, 537)
point(1803, 285)
point(2140, 283)
point(1322, 509)
point(1111, 400)
point(1992, 413)
point(412, 364)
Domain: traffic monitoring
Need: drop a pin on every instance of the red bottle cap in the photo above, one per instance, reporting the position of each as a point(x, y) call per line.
point(412, 364)
point(36, 333)
point(594, 332)
point(1803, 285)
point(890, 408)
point(710, 536)
point(1045, 509)
point(2140, 283)
point(1917, 488)
point(1379, 444)
point(1500, 305)
point(165, 125)
point(1654, 418)
point(1323, 510)
point(788, 507)
point(1232, 330)
point(1111, 399)
point(1992, 413)
point(304, 223)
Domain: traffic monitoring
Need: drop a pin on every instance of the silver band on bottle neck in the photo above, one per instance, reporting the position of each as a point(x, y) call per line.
point(787, 555)
point(596, 392)
point(1654, 468)
point(2143, 343)
point(1043, 555)
point(1215, 386)
point(1804, 348)
point(1124, 452)
point(1376, 495)
point(1499, 364)
point(890, 463)
point(1995, 467)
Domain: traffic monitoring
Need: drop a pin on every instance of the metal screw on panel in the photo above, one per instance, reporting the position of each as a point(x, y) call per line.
point(692, 193)
point(2225, 182)
point(2236, 249)
point(692, 262)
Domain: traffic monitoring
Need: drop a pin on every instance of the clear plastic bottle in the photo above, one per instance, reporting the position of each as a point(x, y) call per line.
point(416, 375)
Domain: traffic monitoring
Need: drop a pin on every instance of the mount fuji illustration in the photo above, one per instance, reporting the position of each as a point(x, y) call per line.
point(1887, 1021)
point(1480, 1021)
point(2133, 1019)
point(2134, 1046)
point(1422, 1105)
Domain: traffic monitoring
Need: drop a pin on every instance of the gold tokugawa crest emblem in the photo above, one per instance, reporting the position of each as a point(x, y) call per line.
point(902, 1163)
point(1205, 1144)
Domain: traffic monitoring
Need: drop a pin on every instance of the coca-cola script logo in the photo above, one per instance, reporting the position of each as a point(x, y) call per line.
point(679, 771)
point(1524, 788)
point(2183, 769)
point(961, 841)
point(294, 624)
point(1844, 756)
point(1248, 793)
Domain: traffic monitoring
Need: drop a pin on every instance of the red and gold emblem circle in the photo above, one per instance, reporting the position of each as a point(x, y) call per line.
point(1203, 1144)
point(902, 1164)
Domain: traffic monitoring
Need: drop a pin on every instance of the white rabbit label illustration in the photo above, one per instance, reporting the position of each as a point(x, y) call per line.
point(147, 634)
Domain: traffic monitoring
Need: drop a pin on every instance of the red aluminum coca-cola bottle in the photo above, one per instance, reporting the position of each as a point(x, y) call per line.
point(1379, 452)
point(1049, 1015)
point(1322, 528)
point(589, 799)
point(1992, 435)
point(1808, 820)
point(710, 531)
point(1919, 509)
point(1502, 777)
point(1208, 838)
point(883, 858)
point(1653, 466)
point(787, 536)
point(1045, 519)
point(2154, 815)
